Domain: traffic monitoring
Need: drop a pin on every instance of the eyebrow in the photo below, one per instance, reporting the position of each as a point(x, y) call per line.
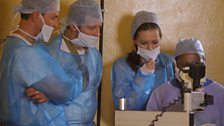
point(143, 41)
point(155, 40)
point(149, 41)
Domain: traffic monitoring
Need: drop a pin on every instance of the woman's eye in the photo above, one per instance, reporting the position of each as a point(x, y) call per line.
point(143, 43)
point(91, 28)
point(155, 42)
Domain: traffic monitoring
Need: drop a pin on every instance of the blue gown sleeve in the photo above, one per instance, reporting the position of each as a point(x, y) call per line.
point(135, 87)
point(40, 71)
point(95, 68)
point(84, 106)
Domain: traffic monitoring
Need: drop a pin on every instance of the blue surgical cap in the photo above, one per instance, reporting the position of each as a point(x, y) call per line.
point(143, 17)
point(84, 13)
point(42, 6)
point(189, 46)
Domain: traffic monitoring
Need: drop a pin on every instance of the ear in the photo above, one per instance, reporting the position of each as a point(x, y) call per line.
point(73, 28)
point(35, 16)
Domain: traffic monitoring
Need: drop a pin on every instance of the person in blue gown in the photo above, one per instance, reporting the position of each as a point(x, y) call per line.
point(189, 51)
point(77, 45)
point(145, 68)
point(25, 64)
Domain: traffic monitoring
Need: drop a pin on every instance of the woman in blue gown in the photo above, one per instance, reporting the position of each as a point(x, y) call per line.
point(136, 75)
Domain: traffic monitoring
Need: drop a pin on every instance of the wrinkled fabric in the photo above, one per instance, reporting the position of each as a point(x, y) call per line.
point(81, 111)
point(192, 45)
point(136, 87)
point(43, 6)
point(143, 17)
point(166, 93)
point(84, 13)
point(24, 66)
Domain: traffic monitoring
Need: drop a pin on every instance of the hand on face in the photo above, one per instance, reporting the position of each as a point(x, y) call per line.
point(150, 65)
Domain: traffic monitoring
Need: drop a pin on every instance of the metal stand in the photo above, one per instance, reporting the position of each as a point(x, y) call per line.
point(191, 116)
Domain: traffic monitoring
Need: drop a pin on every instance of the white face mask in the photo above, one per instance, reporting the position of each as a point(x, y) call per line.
point(85, 40)
point(148, 54)
point(46, 31)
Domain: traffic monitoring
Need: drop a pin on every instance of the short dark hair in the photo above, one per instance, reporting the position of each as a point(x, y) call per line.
point(25, 16)
point(147, 26)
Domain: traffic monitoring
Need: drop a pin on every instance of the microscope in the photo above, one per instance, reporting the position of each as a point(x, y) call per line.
point(195, 100)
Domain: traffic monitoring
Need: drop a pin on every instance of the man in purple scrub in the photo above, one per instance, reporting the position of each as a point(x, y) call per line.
point(189, 51)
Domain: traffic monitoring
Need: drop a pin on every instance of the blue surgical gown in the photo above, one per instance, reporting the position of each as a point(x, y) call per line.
point(166, 93)
point(24, 66)
point(137, 86)
point(81, 111)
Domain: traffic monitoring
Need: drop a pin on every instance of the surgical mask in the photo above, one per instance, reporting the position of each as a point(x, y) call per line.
point(148, 54)
point(46, 31)
point(85, 40)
